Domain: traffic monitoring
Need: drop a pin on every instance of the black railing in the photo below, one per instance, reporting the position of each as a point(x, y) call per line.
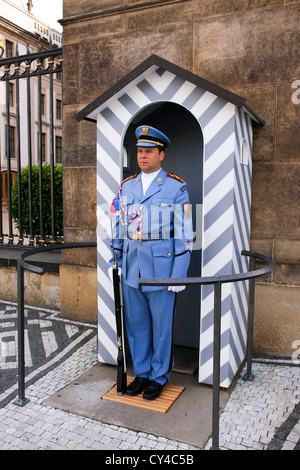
point(216, 281)
point(29, 67)
point(21, 266)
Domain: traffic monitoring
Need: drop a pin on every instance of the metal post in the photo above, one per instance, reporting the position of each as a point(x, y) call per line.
point(1, 209)
point(216, 366)
point(52, 153)
point(40, 152)
point(8, 156)
point(20, 240)
point(21, 400)
point(30, 200)
point(249, 376)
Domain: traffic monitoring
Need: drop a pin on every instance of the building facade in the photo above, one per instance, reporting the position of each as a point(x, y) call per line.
point(250, 48)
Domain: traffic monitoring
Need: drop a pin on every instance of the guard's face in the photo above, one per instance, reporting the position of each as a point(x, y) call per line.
point(149, 159)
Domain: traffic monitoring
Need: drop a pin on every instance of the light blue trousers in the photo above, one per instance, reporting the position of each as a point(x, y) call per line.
point(149, 320)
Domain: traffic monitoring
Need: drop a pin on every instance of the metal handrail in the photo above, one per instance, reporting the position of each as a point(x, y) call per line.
point(21, 266)
point(217, 281)
point(213, 279)
point(43, 249)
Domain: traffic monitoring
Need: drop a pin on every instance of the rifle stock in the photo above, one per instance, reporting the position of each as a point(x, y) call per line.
point(121, 374)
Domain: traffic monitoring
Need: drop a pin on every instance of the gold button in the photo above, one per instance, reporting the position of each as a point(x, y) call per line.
point(162, 204)
point(169, 254)
point(141, 208)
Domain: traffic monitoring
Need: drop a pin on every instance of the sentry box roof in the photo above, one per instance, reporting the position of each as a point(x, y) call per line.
point(153, 63)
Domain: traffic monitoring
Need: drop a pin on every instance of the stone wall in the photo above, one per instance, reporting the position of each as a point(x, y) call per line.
point(42, 291)
point(249, 47)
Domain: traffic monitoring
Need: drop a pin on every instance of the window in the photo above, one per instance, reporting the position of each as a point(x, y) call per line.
point(58, 149)
point(12, 141)
point(58, 110)
point(4, 178)
point(125, 156)
point(11, 94)
point(43, 104)
point(9, 48)
point(244, 152)
point(43, 146)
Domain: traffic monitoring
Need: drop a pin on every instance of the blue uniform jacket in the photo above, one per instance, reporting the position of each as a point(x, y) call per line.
point(164, 221)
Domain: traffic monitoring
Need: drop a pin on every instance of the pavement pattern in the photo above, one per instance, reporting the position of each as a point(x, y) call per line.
point(259, 415)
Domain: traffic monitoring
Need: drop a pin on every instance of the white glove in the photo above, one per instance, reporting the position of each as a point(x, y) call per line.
point(176, 288)
point(110, 273)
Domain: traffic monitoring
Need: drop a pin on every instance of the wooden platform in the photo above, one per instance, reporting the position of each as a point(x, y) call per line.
point(163, 403)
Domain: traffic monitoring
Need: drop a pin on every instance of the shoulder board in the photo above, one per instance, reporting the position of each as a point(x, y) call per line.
point(175, 177)
point(129, 178)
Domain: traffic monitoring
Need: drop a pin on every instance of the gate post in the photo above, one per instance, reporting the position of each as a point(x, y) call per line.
point(249, 376)
point(21, 400)
point(216, 366)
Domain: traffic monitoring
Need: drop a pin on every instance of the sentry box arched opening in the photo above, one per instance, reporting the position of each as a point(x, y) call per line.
point(211, 133)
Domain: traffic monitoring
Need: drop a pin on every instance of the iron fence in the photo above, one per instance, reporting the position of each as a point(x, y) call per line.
point(30, 81)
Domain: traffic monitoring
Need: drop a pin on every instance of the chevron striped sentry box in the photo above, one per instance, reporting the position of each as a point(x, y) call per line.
point(226, 123)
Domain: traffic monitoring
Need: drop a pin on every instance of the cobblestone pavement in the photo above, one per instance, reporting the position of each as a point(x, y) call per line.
point(263, 414)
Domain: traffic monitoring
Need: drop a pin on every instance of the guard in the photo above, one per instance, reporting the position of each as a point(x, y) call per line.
point(153, 238)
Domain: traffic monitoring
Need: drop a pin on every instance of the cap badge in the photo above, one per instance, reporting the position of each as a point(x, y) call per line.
point(145, 130)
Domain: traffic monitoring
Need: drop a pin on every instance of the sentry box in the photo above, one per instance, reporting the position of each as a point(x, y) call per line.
point(211, 133)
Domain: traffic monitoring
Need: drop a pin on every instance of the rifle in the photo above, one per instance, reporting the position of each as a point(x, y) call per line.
point(122, 373)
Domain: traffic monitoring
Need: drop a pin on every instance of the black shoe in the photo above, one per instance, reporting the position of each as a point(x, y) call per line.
point(137, 386)
point(152, 390)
